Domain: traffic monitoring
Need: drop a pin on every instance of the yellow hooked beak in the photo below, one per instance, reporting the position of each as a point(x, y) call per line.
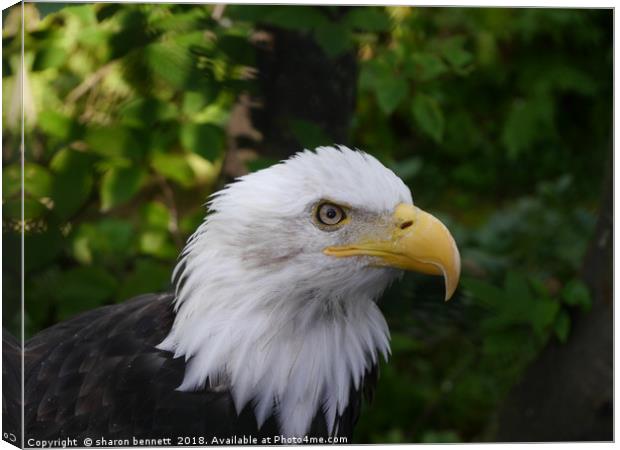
point(418, 242)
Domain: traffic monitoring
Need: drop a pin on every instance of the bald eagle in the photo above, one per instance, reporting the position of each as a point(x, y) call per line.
point(272, 327)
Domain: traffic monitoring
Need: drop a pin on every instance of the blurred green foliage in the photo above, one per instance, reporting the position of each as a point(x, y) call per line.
point(499, 120)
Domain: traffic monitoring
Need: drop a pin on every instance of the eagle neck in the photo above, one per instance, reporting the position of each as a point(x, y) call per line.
point(292, 350)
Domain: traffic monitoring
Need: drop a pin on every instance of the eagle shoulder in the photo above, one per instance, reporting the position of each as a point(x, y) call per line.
point(101, 375)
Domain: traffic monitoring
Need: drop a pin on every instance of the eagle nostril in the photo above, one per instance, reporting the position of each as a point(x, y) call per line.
point(406, 224)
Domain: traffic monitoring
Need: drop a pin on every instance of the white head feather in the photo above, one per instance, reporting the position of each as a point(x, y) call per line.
point(263, 312)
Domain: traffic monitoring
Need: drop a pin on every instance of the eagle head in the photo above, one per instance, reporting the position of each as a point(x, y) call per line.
point(276, 291)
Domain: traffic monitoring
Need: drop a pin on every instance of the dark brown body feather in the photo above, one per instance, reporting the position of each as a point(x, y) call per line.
point(100, 375)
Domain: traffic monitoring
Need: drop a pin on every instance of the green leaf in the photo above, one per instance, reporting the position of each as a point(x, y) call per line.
point(58, 125)
point(73, 181)
point(260, 163)
point(408, 168)
point(504, 345)
point(94, 37)
point(296, 18)
point(437, 437)
point(179, 22)
point(33, 209)
point(573, 79)
point(119, 185)
point(155, 215)
point(514, 305)
point(145, 112)
point(428, 116)
point(577, 293)
point(454, 53)
point(162, 138)
point(205, 171)
point(370, 72)
point(238, 49)
point(365, 18)
point(543, 314)
point(82, 251)
point(485, 293)
point(105, 242)
point(527, 121)
point(147, 276)
point(133, 36)
point(113, 141)
point(191, 220)
point(48, 8)
point(390, 93)
point(425, 66)
point(37, 301)
point(517, 288)
point(402, 343)
point(333, 38)
point(562, 326)
point(390, 88)
point(171, 62)
point(41, 248)
point(205, 139)
point(11, 181)
point(86, 13)
point(309, 134)
point(107, 11)
point(37, 180)
point(175, 167)
point(81, 289)
point(49, 57)
point(194, 102)
point(157, 243)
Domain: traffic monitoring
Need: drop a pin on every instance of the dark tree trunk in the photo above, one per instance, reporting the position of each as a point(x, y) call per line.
point(567, 394)
point(297, 81)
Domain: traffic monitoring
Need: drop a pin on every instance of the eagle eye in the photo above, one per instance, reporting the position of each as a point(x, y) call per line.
point(330, 214)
